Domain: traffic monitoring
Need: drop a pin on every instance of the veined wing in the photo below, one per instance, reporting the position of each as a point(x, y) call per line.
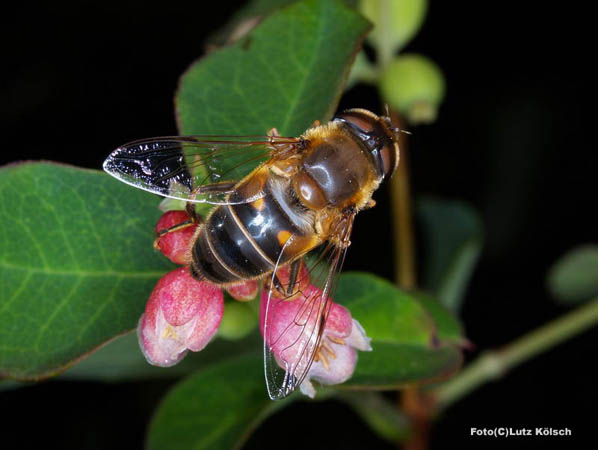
point(202, 169)
point(295, 311)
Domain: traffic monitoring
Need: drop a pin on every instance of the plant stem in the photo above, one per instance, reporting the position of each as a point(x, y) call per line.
point(493, 364)
point(411, 401)
point(400, 197)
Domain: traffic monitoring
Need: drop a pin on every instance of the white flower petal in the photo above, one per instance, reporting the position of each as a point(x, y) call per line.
point(358, 339)
point(307, 388)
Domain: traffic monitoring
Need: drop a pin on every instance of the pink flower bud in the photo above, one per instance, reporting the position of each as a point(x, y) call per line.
point(244, 291)
point(336, 356)
point(175, 244)
point(181, 314)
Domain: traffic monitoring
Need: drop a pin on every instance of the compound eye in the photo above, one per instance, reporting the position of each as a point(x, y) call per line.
point(388, 155)
point(362, 121)
point(385, 155)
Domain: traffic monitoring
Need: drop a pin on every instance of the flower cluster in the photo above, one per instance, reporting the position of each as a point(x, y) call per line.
point(184, 314)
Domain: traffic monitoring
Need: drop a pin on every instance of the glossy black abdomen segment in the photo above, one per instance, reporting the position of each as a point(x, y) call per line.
point(205, 265)
point(232, 245)
point(267, 222)
point(222, 252)
point(245, 240)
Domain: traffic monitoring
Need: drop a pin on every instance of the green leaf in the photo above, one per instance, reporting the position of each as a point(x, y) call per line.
point(410, 343)
point(287, 73)
point(215, 408)
point(448, 327)
point(121, 360)
point(77, 264)
point(7, 385)
point(394, 366)
point(453, 237)
point(387, 313)
point(574, 277)
point(382, 416)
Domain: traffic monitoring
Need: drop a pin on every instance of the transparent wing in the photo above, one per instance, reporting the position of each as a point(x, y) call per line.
point(201, 169)
point(295, 311)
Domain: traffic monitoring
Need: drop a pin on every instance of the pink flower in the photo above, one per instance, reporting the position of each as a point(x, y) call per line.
point(244, 291)
point(336, 357)
point(184, 314)
point(181, 314)
point(175, 245)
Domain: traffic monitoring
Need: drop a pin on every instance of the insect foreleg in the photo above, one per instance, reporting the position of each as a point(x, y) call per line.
point(190, 209)
point(224, 187)
point(177, 227)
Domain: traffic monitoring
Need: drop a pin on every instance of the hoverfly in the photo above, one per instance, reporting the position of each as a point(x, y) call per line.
point(301, 198)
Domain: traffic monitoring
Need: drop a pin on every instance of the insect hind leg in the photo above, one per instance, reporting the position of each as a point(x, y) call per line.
point(294, 271)
point(192, 212)
point(194, 219)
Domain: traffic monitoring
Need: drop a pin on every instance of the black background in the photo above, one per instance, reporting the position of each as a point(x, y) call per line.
point(514, 137)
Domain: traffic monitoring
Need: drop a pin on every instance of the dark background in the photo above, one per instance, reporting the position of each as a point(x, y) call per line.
point(514, 137)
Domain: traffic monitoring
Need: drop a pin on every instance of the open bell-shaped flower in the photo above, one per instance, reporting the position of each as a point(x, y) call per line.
point(181, 314)
point(289, 327)
point(336, 358)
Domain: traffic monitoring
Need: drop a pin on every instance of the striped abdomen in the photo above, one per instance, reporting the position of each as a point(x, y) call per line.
point(245, 240)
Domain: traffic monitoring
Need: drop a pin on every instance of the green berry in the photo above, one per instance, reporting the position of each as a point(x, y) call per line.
point(414, 86)
point(238, 321)
point(396, 22)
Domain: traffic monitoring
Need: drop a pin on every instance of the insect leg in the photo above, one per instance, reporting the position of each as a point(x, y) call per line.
point(294, 271)
point(190, 208)
point(223, 187)
point(178, 226)
point(277, 284)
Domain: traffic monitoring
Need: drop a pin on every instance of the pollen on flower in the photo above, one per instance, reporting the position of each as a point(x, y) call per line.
point(337, 340)
point(169, 333)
